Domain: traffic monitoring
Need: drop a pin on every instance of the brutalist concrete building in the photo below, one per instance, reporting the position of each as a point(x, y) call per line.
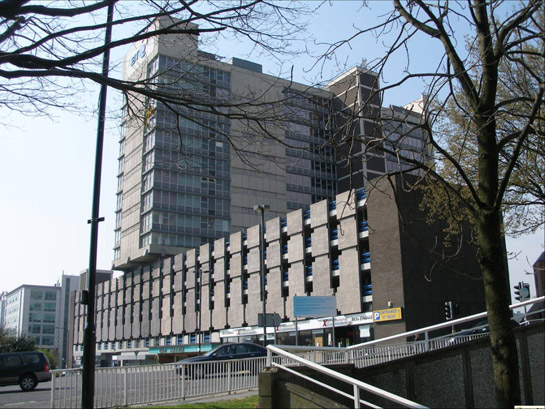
point(358, 247)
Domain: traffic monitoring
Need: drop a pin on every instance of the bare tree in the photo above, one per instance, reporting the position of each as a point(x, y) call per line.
point(484, 117)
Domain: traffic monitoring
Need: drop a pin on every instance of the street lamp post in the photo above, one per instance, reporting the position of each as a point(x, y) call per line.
point(262, 209)
point(199, 277)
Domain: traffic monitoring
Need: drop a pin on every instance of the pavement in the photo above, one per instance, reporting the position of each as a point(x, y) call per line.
point(201, 399)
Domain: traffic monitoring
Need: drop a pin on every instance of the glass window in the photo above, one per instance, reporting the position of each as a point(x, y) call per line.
point(49, 317)
point(31, 358)
point(35, 317)
point(35, 306)
point(35, 329)
point(50, 295)
point(36, 295)
point(48, 329)
point(50, 306)
point(48, 340)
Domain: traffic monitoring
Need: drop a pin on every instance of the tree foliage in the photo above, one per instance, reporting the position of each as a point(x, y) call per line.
point(484, 118)
point(12, 343)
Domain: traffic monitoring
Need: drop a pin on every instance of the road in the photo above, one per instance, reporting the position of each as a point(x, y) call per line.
point(14, 397)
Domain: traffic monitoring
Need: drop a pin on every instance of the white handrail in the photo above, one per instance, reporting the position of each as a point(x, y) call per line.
point(441, 325)
point(345, 378)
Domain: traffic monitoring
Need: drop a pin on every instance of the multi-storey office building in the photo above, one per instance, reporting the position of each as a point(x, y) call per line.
point(180, 184)
point(34, 311)
point(365, 251)
point(69, 286)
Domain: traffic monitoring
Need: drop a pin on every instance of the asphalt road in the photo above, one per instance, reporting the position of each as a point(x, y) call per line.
point(14, 397)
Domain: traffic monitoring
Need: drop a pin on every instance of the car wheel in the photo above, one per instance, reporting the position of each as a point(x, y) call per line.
point(28, 382)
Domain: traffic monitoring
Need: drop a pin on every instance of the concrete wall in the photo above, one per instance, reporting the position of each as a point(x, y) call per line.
point(456, 377)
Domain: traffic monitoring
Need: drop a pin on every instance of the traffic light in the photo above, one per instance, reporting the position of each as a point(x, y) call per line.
point(522, 291)
point(449, 310)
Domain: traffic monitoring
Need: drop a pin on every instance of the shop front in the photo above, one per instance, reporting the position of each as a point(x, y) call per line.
point(341, 331)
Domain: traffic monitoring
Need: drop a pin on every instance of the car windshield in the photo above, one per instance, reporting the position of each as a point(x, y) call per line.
point(213, 351)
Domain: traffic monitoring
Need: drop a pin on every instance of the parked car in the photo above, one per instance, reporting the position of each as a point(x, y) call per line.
point(25, 369)
point(223, 353)
point(479, 328)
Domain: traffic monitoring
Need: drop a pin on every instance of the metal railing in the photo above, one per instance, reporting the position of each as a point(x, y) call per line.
point(131, 385)
point(356, 384)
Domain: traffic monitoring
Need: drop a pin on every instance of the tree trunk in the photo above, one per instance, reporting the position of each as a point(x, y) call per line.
point(496, 286)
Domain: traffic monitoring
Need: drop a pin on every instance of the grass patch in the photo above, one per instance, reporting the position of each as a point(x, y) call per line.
point(251, 402)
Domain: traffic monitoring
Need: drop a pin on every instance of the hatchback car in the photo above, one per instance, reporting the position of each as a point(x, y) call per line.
point(25, 369)
point(226, 352)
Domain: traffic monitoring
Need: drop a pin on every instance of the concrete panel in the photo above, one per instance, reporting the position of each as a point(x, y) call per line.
point(320, 241)
point(295, 222)
point(204, 253)
point(236, 265)
point(253, 236)
point(155, 321)
point(98, 323)
point(275, 303)
point(190, 258)
point(137, 277)
point(235, 242)
point(254, 306)
point(235, 314)
point(127, 327)
point(219, 269)
point(205, 308)
point(254, 260)
point(136, 321)
point(177, 318)
point(273, 230)
point(146, 274)
point(219, 248)
point(178, 262)
point(297, 281)
point(166, 284)
point(445, 375)
point(319, 214)
point(219, 317)
point(145, 325)
point(178, 281)
point(166, 326)
point(274, 254)
point(348, 233)
point(136, 296)
point(120, 297)
point(190, 319)
point(128, 296)
point(146, 290)
point(106, 301)
point(111, 330)
point(349, 290)
point(156, 269)
point(321, 276)
point(346, 204)
point(128, 280)
point(204, 273)
point(296, 249)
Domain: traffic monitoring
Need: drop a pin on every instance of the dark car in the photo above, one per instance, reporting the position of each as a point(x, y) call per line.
point(223, 353)
point(479, 328)
point(25, 369)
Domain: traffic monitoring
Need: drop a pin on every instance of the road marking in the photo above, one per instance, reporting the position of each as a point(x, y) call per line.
point(19, 403)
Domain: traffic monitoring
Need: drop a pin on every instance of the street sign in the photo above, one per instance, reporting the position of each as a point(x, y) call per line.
point(313, 307)
point(391, 314)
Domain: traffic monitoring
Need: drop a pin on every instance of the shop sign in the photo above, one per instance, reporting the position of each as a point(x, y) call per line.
point(390, 314)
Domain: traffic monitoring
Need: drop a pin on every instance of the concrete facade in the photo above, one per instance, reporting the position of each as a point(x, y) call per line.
point(358, 248)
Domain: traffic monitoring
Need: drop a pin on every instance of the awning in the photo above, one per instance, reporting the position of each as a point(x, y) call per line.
point(125, 356)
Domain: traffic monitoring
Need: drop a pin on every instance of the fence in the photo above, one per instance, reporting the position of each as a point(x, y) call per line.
point(155, 383)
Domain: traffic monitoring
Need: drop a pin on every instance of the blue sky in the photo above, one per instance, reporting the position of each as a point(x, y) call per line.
point(47, 165)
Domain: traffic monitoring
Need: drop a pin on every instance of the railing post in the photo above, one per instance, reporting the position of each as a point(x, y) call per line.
point(357, 404)
point(427, 341)
point(229, 363)
point(53, 390)
point(269, 358)
point(184, 369)
point(125, 395)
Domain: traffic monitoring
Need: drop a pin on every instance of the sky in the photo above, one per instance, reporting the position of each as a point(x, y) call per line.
point(47, 165)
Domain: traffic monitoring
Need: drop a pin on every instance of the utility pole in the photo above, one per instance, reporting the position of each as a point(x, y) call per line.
point(262, 209)
point(88, 297)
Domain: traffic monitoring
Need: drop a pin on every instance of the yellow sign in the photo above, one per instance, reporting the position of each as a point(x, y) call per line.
point(391, 314)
